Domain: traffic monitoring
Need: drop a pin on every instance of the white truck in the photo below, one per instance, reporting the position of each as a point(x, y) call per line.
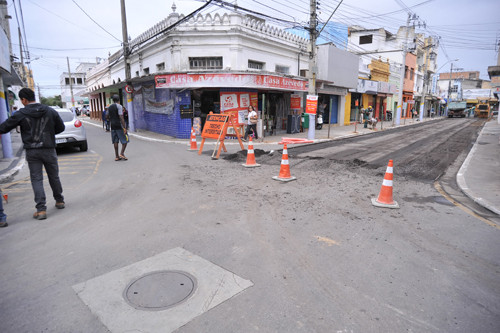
point(457, 109)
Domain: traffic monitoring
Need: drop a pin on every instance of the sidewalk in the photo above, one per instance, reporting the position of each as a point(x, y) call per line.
point(479, 176)
point(10, 166)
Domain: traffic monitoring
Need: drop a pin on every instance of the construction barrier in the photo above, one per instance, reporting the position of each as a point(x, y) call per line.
point(284, 174)
point(194, 146)
point(250, 156)
point(294, 140)
point(385, 196)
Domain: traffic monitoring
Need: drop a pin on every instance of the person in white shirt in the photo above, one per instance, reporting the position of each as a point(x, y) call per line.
point(252, 123)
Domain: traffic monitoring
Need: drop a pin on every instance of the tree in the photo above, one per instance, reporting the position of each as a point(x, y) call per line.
point(52, 101)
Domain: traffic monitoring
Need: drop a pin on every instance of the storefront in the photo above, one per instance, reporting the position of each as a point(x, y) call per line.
point(385, 92)
point(173, 103)
point(331, 96)
point(364, 96)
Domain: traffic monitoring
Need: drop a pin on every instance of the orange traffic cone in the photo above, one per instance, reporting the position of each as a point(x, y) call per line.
point(6, 197)
point(284, 175)
point(193, 140)
point(250, 156)
point(385, 196)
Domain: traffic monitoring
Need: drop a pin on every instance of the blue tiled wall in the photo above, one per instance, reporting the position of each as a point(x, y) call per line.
point(168, 124)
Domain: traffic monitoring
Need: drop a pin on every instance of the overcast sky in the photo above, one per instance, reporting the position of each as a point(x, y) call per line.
point(56, 29)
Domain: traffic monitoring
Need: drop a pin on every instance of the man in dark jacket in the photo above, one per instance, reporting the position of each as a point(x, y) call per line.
point(39, 125)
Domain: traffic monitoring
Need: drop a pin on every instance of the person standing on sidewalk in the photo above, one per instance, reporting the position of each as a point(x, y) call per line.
point(118, 128)
point(253, 118)
point(105, 121)
point(39, 126)
point(3, 216)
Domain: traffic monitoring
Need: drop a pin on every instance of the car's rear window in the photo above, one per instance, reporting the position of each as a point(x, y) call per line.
point(66, 116)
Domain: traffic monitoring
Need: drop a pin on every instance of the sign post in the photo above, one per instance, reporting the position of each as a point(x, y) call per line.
point(311, 107)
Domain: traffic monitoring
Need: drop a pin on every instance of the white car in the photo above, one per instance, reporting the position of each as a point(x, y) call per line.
point(74, 134)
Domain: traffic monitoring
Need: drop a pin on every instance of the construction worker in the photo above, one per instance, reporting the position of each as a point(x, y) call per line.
point(366, 116)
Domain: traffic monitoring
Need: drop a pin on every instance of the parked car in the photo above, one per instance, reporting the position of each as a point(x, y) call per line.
point(74, 133)
point(86, 111)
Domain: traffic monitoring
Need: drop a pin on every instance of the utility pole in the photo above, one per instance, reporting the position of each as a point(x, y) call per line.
point(23, 70)
point(312, 67)
point(426, 59)
point(126, 59)
point(70, 84)
point(449, 82)
point(402, 76)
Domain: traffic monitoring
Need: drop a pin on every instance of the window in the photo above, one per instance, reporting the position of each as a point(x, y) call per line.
point(303, 72)
point(412, 72)
point(255, 64)
point(205, 63)
point(160, 67)
point(79, 80)
point(406, 72)
point(67, 81)
point(137, 73)
point(367, 39)
point(146, 71)
point(282, 69)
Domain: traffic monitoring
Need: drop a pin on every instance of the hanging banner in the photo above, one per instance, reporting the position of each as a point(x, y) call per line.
point(295, 101)
point(159, 107)
point(312, 104)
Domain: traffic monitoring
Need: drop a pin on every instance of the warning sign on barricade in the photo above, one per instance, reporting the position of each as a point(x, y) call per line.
point(216, 127)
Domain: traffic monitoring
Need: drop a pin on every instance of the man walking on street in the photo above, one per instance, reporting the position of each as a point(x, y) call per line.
point(118, 128)
point(39, 124)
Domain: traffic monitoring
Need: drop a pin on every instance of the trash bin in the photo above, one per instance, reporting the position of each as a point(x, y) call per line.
point(305, 120)
point(293, 124)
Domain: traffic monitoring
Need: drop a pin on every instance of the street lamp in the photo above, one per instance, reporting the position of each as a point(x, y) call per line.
point(449, 84)
point(449, 81)
point(446, 64)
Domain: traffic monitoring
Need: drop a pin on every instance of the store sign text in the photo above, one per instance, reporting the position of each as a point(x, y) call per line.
point(228, 80)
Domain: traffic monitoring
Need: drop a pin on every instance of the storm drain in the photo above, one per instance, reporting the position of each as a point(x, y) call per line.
point(160, 290)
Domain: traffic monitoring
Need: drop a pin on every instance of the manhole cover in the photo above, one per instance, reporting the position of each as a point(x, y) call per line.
point(160, 290)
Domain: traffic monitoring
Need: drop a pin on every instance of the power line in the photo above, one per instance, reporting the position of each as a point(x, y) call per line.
point(95, 21)
point(79, 49)
point(24, 32)
point(64, 19)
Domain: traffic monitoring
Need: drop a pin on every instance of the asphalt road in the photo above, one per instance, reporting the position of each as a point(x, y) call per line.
point(320, 257)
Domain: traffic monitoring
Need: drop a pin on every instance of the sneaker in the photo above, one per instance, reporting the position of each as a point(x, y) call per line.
point(41, 215)
point(60, 205)
point(3, 224)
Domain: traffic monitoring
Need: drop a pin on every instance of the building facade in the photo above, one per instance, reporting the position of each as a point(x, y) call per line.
point(74, 89)
point(206, 63)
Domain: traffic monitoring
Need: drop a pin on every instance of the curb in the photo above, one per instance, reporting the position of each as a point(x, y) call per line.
point(11, 172)
point(462, 184)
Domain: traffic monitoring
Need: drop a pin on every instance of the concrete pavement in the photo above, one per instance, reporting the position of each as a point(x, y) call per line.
point(478, 178)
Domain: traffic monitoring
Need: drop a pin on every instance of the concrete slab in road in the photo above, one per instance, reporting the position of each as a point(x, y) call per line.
point(104, 295)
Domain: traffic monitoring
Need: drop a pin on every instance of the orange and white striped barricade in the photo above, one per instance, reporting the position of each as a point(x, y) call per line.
point(250, 156)
point(284, 174)
point(385, 196)
point(194, 145)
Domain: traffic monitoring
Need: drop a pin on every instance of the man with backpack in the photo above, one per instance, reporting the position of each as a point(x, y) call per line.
point(39, 124)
